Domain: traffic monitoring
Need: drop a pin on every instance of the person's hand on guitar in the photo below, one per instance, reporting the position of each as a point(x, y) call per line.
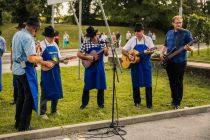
point(149, 51)
point(65, 62)
point(48, 64)
point(188, 47)
point(131, 57)
point(92, 58)
point(162, 56)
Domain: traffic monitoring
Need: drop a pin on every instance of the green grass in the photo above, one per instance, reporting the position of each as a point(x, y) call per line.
point(204, 55)
point(196, 93)
point(9, 30)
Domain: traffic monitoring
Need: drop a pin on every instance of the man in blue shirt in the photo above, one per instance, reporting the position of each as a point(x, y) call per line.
point(175, 39)
point(24, 57)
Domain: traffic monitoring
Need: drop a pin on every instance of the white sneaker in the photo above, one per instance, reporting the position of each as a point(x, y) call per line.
point(45, 117)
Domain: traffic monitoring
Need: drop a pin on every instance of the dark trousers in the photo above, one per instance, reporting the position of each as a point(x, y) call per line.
point(15, 94)
point(100, 97)
point(24, 104)
point(137, 97)
point(175, 73)
point(43, 103)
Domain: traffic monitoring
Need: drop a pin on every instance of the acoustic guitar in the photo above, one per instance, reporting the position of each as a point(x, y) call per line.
point(174, 52)
point(126, 62)
point(93, 53)
point(45, 68)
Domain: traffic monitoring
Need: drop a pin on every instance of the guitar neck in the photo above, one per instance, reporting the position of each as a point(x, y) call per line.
point(100, 51)
point(180, 49)
point(175, 53)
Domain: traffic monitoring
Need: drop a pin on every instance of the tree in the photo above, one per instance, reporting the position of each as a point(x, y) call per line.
point(86, 16)
point(5, 5)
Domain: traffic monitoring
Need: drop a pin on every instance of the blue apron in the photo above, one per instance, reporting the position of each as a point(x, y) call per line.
point(33, 83)
point(51, 79)
point(0, 69)
point(95, 77)
point(141, 73)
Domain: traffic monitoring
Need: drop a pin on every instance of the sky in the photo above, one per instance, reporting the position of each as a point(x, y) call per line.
point(65, 9)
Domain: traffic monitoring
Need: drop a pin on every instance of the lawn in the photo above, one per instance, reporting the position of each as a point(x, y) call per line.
point(204, 55)
point(72, 30)
point(196, 93)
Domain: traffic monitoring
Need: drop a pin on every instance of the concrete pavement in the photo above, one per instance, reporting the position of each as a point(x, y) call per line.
point(197, 128)
point(191, 127)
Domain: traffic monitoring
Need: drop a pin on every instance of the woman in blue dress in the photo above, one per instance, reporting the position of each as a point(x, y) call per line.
point(95, 77)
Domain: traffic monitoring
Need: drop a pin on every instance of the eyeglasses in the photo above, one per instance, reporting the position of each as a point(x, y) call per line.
point(177, 22)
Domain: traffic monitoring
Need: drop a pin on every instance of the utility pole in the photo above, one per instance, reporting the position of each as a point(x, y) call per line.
point(52, 17)
point(180, 8)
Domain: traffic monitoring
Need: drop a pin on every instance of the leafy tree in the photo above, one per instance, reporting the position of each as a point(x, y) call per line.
point(86, 16)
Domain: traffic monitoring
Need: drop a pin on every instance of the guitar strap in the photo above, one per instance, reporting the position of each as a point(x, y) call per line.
point(178, 38)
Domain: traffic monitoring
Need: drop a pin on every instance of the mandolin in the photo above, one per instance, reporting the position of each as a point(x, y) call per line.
point(45, 68)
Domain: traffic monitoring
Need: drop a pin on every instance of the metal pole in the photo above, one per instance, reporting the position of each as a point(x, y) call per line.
point(75, 18)
point(80, 34)
point(107, 25)
point(181, 9)
point(52, 16)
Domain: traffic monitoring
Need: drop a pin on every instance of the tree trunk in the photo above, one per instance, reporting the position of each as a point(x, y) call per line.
point(1, 20)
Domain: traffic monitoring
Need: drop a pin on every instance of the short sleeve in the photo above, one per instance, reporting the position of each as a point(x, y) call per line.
point(128, 45)
point(83, 48)
point(29, 46)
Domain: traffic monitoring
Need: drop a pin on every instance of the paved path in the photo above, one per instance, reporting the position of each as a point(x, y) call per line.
point(73, 52)
point(193, 127)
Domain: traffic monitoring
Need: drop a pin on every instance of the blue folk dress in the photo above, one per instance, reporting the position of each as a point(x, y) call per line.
point(51, 79)
point(141, 73)
point(95, 77)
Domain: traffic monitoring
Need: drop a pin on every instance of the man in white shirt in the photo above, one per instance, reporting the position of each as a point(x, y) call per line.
point(141, 72)
point(51, 85)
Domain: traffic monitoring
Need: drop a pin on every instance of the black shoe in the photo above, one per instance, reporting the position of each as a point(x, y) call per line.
point(24, 129)
point(101, 106)
point(137, 105)
point(176, 107)
point(82, 106)
point(149, 106)
point(12, 103)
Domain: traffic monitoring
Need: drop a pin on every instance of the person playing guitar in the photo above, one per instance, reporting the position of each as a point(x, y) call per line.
point(51, 86)
point(141, 72)
point(176, 38)
point(94, 74)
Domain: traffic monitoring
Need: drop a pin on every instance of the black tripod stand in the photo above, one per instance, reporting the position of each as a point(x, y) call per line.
point(114, 127)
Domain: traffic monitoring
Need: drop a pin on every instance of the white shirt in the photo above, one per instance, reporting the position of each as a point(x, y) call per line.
point(133, 41)
point(43, 46)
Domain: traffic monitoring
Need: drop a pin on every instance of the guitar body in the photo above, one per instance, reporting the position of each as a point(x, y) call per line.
point(126, 63)
point(87, 63)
